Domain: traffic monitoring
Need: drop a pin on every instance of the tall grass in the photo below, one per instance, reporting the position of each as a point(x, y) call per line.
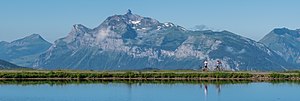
point(62, 74)
point(134, 74)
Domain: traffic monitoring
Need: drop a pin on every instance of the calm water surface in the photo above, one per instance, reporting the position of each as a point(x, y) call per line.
point(261, 91)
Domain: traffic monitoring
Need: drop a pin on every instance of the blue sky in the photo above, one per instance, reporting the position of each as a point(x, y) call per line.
point(53, 19)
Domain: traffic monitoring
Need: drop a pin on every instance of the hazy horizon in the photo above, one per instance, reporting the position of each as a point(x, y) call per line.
point(54, 19)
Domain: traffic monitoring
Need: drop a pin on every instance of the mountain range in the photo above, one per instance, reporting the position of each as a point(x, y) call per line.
point(134, 42)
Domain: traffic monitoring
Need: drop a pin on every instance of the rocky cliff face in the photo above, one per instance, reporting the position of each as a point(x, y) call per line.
point(284, 42)
point(131, 41)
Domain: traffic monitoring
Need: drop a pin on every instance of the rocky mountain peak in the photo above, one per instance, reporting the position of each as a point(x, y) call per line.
point(25, 50)
point(79, 28)
point(33, 38)
point(286, 31)
point(280, 30)
point(285, 42)
point(128, 12)
point(129, 20)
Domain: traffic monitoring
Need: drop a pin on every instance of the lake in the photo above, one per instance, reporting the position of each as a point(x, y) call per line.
point(150, 91)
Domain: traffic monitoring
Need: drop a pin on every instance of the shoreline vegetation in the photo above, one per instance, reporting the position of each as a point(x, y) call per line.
point(174, 75)
point(138, 82)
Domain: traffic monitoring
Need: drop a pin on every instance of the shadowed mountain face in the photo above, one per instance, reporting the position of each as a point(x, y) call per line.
point(284, 42)
point(7, 65)
point(130, 41)
point(23, 51)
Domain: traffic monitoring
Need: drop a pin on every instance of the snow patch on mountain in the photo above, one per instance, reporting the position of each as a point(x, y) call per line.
point(135, 22)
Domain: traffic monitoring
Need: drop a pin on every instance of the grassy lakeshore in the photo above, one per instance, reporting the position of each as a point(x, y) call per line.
point(130, 82)
point(145, 75)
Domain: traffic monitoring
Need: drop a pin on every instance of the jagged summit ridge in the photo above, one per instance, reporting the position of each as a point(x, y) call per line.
point(127, 26)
